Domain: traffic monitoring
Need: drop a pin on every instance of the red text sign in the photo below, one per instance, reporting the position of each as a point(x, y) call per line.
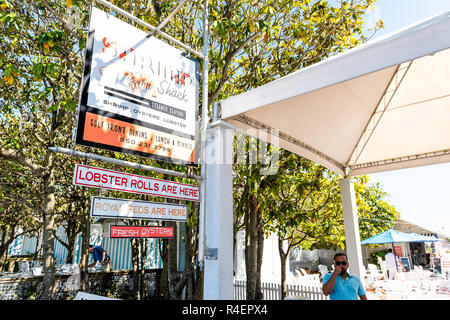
point(113, 180)
point(140, 232)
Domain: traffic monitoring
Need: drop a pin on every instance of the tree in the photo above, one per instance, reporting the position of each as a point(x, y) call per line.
point(37, 93)
point(260, 42)
point(20, 212)
point(71, 204)
point(41, 57)
point(295, 204)
point(304, 208)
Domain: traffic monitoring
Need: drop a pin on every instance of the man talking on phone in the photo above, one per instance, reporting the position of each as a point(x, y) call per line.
point(341, 285)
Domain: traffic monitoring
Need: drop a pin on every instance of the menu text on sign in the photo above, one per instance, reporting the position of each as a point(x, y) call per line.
point(140, 232)
point(136, 209)
point(114, 180)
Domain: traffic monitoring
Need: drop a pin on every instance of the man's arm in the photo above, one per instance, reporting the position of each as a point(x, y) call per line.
point(328, 287)
point(361, 291)
point(103, 257)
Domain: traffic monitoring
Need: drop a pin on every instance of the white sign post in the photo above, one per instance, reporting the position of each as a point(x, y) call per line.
point(218, 284)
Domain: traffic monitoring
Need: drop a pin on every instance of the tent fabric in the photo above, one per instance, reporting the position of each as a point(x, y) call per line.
point(422, 238)
point(381, 106)
point(391, 236)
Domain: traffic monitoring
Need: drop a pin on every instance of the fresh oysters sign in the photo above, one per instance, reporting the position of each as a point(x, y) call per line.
point(139, 94)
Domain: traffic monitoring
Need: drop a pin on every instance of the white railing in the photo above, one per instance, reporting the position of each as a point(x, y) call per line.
point(272, 291)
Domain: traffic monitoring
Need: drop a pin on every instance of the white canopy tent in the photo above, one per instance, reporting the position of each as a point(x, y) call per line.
point(382, 106)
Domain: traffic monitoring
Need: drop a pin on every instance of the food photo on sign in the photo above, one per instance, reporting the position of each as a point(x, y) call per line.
point(139, 95)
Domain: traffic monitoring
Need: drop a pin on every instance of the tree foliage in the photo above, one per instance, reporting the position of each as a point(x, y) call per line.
point(43, 43)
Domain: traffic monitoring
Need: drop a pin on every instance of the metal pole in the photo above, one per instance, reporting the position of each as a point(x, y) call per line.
point(215, 115)
point(149, 26)
point(395, 256)
point(163, 23)
point(205, 120)
point(122, 163)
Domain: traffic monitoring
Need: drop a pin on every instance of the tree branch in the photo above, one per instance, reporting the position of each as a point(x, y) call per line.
point(20, 158)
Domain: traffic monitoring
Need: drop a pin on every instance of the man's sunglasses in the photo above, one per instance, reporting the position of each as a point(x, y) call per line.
point(342, 263)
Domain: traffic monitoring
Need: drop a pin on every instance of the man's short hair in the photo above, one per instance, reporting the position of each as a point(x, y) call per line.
point(339, 254)
point(91, 246)
point(389, 250)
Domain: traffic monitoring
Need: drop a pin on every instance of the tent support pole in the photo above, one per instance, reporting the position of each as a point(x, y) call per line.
point(218, 272)
point(204, 126)
point(352, 239)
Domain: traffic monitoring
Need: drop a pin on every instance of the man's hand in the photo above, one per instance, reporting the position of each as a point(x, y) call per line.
point(337, 268)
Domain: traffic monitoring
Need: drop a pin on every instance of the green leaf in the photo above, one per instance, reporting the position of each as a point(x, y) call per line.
point(7, 71)
point(71, 105)
point(38, 69)
point(53, 108)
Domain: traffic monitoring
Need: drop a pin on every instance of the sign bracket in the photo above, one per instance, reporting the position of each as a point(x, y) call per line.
point(124, 163)
point(149, 26)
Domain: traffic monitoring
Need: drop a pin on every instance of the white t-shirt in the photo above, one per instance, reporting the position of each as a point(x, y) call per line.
point(390, 261)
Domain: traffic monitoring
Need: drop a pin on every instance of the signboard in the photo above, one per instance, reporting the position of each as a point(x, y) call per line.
point(405, 263)
point(139, 95)
point(136, 209)
point(140, 232)
point(113, 180)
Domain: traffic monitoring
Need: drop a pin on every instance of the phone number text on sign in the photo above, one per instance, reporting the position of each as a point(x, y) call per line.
point(113, 180)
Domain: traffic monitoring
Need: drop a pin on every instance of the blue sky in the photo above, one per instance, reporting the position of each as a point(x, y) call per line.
point(422, 194)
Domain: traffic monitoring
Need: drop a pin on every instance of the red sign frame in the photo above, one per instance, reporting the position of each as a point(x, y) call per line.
point(94, 177)
point(116, 231)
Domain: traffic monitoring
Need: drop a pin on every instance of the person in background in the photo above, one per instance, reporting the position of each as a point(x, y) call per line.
point(391, 263)
point(340, 285)
point(99, 254)
point(379, 259)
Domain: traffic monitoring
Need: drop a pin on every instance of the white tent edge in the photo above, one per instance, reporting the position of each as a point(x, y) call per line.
point(421, 39)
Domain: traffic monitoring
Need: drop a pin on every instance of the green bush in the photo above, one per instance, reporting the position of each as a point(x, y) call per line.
point(374, 256)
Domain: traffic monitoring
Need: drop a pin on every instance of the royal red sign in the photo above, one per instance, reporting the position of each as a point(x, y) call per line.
point(113, 180)
point(137, 209)
point(140, 232)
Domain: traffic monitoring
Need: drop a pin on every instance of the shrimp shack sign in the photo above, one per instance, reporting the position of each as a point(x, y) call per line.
point(139, 95)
